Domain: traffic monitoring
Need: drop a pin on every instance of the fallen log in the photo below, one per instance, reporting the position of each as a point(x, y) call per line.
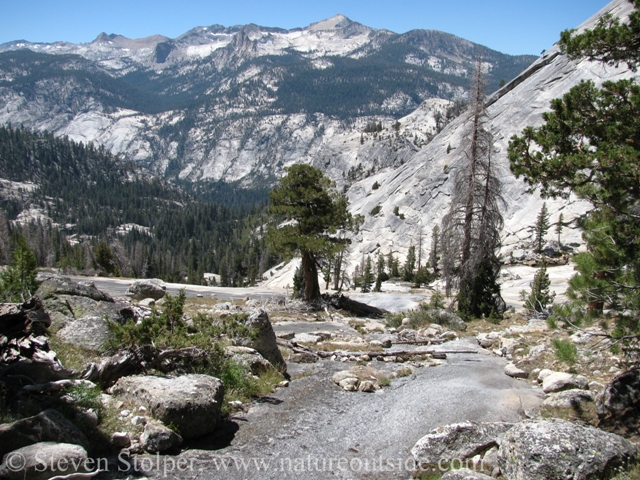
point(359, 309)
point(432, 341)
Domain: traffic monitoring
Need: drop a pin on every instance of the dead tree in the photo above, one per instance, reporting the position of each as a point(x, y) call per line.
point(471, 228)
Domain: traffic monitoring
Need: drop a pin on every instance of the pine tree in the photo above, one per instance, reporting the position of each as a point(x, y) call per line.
point(471, 229)
point(409, 265)
point(541, 227)
point(559, 227)
point(19, 278)
point(539, 297)
point(434, 255)
point(367, 276)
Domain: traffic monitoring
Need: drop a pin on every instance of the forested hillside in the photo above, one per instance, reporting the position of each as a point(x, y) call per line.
point(81, 208)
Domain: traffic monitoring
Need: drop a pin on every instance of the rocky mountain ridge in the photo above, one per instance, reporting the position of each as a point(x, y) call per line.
point(240, 103)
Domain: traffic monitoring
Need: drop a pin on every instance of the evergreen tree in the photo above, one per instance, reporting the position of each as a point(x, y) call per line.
point(409, 265)
point(367, 276)
point(559, 227)
point(316, 212)
point(590, 145)
point(434, 255)
point(539, 297)
point(541, 227)
point(19, 278)
point(381, 275)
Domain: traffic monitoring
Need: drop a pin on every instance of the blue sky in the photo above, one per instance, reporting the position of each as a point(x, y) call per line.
point(509, 26)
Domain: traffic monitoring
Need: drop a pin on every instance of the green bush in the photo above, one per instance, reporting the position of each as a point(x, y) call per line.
point(565, 350)
point(376, 210)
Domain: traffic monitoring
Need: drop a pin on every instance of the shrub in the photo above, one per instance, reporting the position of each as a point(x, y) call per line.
point(565, 350)
point(376, 210)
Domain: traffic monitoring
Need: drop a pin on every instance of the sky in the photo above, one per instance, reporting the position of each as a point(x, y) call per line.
point(509, 26)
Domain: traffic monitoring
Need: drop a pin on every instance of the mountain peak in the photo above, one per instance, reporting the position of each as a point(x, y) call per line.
point(334, 23)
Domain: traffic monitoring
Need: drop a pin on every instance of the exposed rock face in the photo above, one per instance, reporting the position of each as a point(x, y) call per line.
point(556, 449)
point(459, 441)
point(619, 404)
point(190, 402)
point(47, 426)
point(34, 461)
point(264, 340)
point(148, 288)
point(465, 474)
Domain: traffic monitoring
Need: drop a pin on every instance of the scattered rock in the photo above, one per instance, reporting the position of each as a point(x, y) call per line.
point(157, 438)
point(286, 335)
point(574, 404)
point(459, 441)
point(559, 381)
point(147, 302)
point(190, 402)
point(444, 317)
point(34, 461)
point(515, 372)
point(558, 449)
point(148, 288)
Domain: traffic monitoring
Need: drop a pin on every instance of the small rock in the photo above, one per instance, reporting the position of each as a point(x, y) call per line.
point(544, 373)
point(157, 438)
point(366, 358)
point(285, 335)
point(511, 370)
point(125, 413)
point(368, 386)
point(147, 302)
point(120, 439)
point(283, 384)
point(406, 321)
point(139, 420)
point(349, 384)
point(386, 343)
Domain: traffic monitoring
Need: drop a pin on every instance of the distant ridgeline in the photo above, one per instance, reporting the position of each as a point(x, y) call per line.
point(80, 207)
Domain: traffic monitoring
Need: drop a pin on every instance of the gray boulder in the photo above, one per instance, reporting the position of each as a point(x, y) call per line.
point(147, 288)
point(574, 404)
point(190, 402)
point(67, 300)
point(263, 338)
point(157, 438)
point(34, 461)
point(47, 426)
point(249, 358)
point(458, 441)
point(555, 449)
point(88, 332)
point(558, 381)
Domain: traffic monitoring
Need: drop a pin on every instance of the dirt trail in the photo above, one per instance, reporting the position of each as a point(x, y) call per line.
point(315, 430)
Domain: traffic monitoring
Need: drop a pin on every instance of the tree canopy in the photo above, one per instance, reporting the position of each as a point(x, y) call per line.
point(315, 216)
point(590, 145)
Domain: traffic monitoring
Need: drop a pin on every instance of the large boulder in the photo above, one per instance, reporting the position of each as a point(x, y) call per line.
point(47, 426)
point(619, 404)
point(189, 402)
point(458, 442)
point(34, 462)
point(555, 449)
point(89, 332)
point(249, 358)
point(262, 338)
point(147, 288)
point(574, 404)
point(67, 301)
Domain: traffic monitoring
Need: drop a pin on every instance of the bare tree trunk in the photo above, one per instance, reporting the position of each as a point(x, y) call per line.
point(310, 270)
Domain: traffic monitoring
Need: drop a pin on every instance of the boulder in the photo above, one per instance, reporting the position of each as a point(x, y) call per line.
point(157, 438)
point(619, 404)
point(515, 372)
point(558, 381)
point(574, 404)
point(89, 332)
point(557, 449)
point(190, 402)
point(67, 300)
point(459, 441)
point(249, 358)
point(147, 288)
point(264, 339)
point(47, 426)
point(34, 461)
